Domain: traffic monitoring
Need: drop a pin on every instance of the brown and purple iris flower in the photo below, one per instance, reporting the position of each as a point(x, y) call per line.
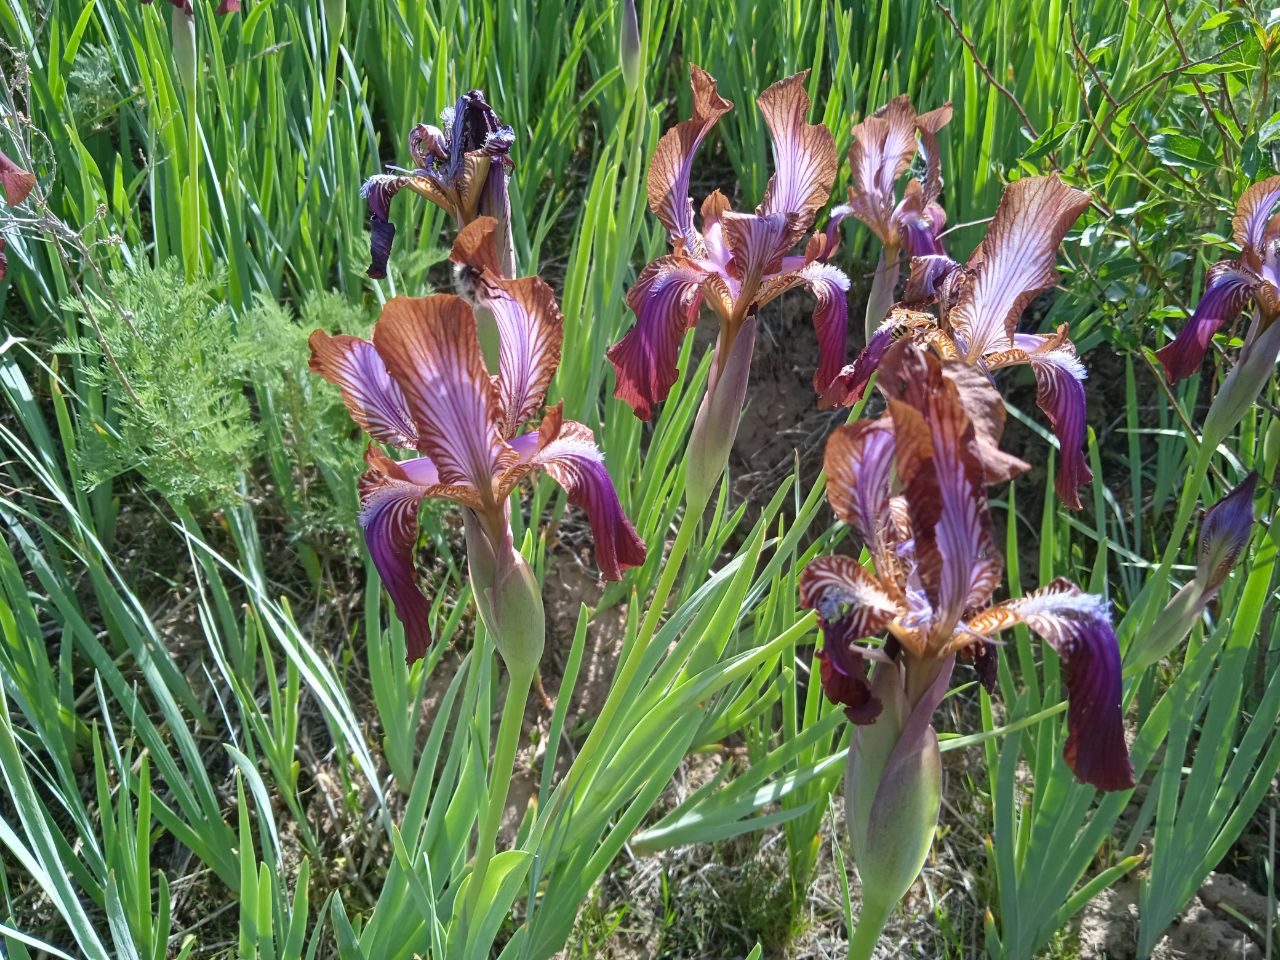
point(1233, 284)
point(978, 309)
point(735, 262)
point(884, 146)
point(912, 487)
point(421, 384)
point(463, 166)
point(185, 6)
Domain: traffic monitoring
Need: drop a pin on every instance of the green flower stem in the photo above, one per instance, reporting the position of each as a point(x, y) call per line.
point(500, 768)
point(871, 923)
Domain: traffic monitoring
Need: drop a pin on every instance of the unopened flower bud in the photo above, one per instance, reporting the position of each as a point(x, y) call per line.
point(183, 27)
point(507, 597)
point(629, 45)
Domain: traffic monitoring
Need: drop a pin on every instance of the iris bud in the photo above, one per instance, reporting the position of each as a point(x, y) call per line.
point(716, 425)
point(507, 596)
point(629, 45)
point(183, 27)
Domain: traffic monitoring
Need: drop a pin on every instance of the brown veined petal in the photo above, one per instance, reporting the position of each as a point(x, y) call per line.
point(940, 467)
point(1253, 211)
point(757, 245)
point(859, 465)
point(374, 400)
point(672, 161)
point(14, 181)
point(883, 145)
point(986, 411)
point(1015, 261)
point(530, 325)
point(1078, 626)
point(804, 154)
point(928, 125)
point(430, 348)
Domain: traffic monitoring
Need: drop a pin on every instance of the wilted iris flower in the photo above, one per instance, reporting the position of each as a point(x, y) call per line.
point(421, 384)
point(912, 487)
point(462, 166)
point(735, 264)
point(979, 306)
point(884, 146)
point(1233, 284)
point(1224, 534)
point(15, 183)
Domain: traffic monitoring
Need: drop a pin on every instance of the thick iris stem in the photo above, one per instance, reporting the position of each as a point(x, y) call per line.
point(870, 925)
point(883, 287)
point(500, 769)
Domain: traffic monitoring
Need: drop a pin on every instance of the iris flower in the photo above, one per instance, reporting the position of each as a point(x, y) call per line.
point(462, 166)
point(979, 306)
point(884, 146)
point(15, 184)
point(911, 485)
point(225, 6)
point(734, 263)
point(1233, 284)
point(421, 384)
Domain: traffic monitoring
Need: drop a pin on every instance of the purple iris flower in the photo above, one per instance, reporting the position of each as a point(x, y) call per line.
point(421, 384)
point(912, 486)
point(1233, 284)
point(736, 262)
point(979, 306)
point(461, 166)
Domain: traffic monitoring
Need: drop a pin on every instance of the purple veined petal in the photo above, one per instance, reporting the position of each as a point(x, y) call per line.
point(15, 182)
point(665, 299)
point(859, 464)
point(850, 383)
point(430, 348)
point(883, 145)
point(530, 325)
point(823, 246)
point(804, 154)
point(1228, 289)
point(1253, 212)
point(1060, 395)
point(928, 125)
point(927, 280)
point(829, 287)
point(672, 161)
point(1224, 533)
point(427, 145)
point(372, 397)
point(1078, 626)
point(1015, 261)
point(390, 494)
point(757, 245)
point(940, 466)
point(575, 462)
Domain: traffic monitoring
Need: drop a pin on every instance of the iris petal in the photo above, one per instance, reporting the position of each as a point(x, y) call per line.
point(1228, 290)
point(1253, 211)
point(804, 154)
point(665, 299)
point(1077, 625)
point(430, 348)
point(372, 397)
point(830, 319)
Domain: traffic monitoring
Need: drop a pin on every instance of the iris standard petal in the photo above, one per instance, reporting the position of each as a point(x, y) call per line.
point(672, 161)
point(927, 280)
point(859, 464)
point(1078, 626)
point(1015, 261)
point(372, 397)
point(829, 287)
point(804, 154)
point(575, 462)
point(1253, 211)
point(665, 299)
point(883, 145)
point(530, 325)
point(1228, 289)
point(940, 467)
point(927, 125)
point(390, 494)
point(430, 348)
point(756, 245)
point(377, 191)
